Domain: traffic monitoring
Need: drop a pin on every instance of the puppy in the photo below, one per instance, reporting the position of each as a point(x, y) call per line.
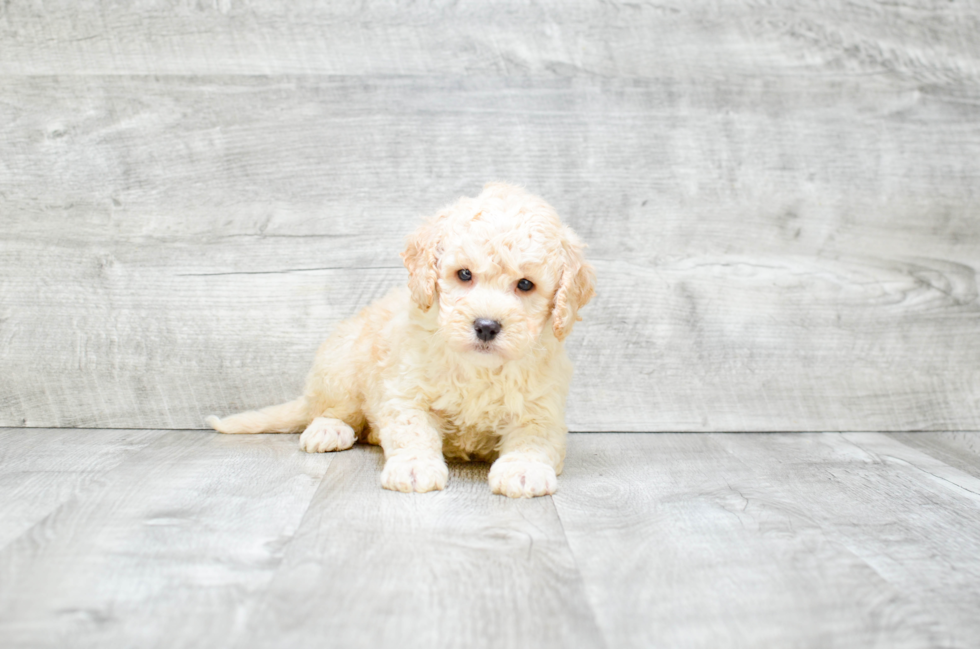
point(467, 362)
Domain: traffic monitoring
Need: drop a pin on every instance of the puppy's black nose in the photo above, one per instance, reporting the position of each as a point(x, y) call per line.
point(486, 330)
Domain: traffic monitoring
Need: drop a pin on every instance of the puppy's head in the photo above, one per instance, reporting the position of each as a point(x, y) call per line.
point(503, 271)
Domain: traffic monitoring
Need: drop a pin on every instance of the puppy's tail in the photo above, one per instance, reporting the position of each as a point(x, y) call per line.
point(291, 417)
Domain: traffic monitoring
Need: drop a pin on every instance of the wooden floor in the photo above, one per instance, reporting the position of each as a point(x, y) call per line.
point(146, 538)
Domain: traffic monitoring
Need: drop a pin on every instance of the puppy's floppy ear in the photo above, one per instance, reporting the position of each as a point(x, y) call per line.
point(576, 286)
point(421, 257)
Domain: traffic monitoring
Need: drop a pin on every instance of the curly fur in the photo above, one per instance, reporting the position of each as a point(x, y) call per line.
point(418, 381)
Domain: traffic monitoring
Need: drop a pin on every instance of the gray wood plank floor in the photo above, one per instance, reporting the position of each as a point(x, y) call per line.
point(119, 538)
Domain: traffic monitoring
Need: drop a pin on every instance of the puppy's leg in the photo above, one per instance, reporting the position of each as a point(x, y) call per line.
point(413, 451)
point(335, 411)
point(531, 457)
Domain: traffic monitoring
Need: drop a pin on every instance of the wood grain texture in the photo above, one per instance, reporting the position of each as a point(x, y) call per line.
point(166, 553)
point(772, 540)
point(918, 515)
point(458, 568)
point(49, 469)
point(189, 539)
point(960, 449)
point(782, 203)
point(552, 38)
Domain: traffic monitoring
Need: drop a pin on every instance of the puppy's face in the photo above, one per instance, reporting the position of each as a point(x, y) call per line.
point(496, 291)
point(503, 271)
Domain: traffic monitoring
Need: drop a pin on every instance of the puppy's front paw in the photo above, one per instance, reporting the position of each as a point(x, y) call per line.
point(408, 474)
point(522, 478)
point(324, 435)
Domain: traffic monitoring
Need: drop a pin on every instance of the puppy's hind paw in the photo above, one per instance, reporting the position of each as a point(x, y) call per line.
point(324, 435)
point(408, 474)
point(522, 478)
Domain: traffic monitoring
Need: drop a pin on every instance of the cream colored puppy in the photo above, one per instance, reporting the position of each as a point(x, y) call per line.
point(467, 362)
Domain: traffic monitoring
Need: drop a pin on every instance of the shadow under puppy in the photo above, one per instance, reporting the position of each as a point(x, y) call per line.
point(466, 362)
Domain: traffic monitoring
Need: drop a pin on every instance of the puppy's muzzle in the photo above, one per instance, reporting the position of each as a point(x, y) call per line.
point(486, 330)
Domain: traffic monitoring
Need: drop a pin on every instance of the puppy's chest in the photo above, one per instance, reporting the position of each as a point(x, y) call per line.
point(475, 407)
point(467, 433)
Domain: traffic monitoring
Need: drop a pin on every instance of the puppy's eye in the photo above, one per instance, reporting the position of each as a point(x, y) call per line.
point(464, 275)
point(525, 285)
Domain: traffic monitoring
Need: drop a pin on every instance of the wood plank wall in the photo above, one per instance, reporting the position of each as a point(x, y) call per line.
point(782, 199)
